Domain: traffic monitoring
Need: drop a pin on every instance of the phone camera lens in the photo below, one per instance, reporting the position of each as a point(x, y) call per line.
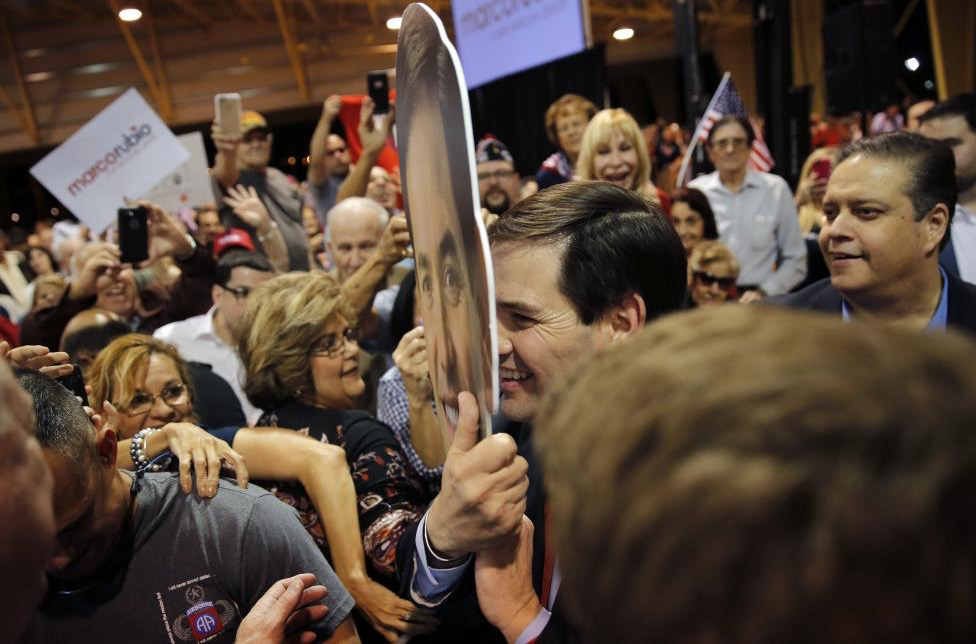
point(133, 224)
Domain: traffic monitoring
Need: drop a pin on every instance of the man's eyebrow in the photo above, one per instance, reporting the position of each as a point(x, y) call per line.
point(517, 306)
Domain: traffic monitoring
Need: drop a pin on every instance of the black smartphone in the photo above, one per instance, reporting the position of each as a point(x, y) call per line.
point(75, 383)
point(378, 86)
point(134, 234)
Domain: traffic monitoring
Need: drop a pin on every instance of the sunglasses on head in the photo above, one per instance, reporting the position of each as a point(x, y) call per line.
point(707, 278)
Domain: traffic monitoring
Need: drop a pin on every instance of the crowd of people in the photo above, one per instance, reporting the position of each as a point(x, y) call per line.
point(238, 439)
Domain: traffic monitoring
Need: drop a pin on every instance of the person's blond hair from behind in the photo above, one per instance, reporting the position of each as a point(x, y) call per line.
point(284, 320)
point(709, 252)
point(753, 475)
point(113, 374)
point(599, 132)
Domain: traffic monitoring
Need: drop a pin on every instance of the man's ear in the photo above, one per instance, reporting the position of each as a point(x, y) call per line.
point(627, 318)
point(936, 227)
point(106, 443)
point(215, 292)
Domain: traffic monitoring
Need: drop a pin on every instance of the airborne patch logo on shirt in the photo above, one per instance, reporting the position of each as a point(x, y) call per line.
point(205, 619)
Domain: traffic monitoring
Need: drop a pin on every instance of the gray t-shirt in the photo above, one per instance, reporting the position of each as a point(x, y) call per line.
point(197, 567)
point(323, 197)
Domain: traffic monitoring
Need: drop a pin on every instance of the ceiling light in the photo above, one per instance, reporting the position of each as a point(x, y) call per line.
point(393, 23)
point(624, 33)
point(129, 14)
point(912, 64)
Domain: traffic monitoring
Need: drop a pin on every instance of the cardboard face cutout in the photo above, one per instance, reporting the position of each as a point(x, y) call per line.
point(455, 282)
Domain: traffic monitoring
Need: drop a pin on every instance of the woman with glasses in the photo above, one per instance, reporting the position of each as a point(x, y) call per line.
point(755, 213)
point(614, 150)
point(301, 366)
point(147, 382)
point(712, 271)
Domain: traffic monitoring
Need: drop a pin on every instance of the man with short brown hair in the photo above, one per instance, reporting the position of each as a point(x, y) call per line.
point(749, 475)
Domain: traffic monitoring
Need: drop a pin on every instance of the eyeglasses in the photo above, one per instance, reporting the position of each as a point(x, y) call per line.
point(737, 144)
point(142, 402)
point(497, 174)
point(708, 279)
point(334, 343)
point(240, 292)
point(255, 137)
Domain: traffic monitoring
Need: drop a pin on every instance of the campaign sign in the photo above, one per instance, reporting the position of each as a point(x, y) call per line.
point(119, 154)
point(455, 280)
point(189, 185)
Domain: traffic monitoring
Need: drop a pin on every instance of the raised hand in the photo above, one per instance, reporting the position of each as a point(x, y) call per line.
point(410, 357)
point(374, 138)
point(395, 243)
point(248, 206)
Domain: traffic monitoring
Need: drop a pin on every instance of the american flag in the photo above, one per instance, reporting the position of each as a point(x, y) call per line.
point(726, 101)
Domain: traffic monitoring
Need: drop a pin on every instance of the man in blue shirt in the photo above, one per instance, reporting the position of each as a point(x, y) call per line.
point(888, 207)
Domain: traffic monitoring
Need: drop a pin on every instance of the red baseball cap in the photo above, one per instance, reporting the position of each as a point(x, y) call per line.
point(233, 238)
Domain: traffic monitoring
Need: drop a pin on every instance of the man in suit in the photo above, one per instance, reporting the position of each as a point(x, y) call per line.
point(888, 208)
point(578, 267)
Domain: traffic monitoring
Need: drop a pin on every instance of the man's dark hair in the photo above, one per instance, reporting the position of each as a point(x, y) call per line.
point(62, 424)
point(930, 164)
point(732, 118)
point(237, 258)
point(93, 338)
point(963, 105)
point(615, 243)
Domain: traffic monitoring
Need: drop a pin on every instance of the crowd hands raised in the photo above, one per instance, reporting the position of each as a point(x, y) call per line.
point(269, 361)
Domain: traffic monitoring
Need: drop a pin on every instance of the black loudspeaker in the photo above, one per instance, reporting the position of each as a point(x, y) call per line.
point(860, 62)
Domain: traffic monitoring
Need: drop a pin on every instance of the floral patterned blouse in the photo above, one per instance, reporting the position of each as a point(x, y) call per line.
point(388, 491)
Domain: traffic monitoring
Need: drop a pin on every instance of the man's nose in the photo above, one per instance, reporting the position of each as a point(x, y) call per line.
point(504, 341)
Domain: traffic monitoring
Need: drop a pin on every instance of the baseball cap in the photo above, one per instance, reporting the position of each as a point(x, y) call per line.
point(233, 238)
point(491, 149)
point(251, 120)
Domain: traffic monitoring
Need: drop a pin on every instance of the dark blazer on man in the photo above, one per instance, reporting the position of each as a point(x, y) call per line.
point(822, 296)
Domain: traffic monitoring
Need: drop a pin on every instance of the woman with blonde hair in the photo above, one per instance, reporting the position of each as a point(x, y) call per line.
point(148, 382)
point(300, 362)
point(614, 150)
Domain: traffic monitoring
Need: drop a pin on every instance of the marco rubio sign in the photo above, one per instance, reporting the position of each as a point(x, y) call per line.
point(120, 154)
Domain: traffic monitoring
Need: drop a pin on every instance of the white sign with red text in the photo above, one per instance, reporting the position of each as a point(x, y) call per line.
point(189, 185)
point(120, 154)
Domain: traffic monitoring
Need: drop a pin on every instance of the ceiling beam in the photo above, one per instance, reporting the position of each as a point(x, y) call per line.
point(26, 111)
point(189, 9)
point(251, 11)
point(297, 65)
point(162, 81)
point(310, 9)
point(165, 107)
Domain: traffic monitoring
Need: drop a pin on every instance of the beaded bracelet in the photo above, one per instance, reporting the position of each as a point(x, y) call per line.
point(137, 449)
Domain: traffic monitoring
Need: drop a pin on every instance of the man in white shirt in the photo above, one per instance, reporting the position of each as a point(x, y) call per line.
point(211, 338)
point(755, 214)
point(953, 122)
